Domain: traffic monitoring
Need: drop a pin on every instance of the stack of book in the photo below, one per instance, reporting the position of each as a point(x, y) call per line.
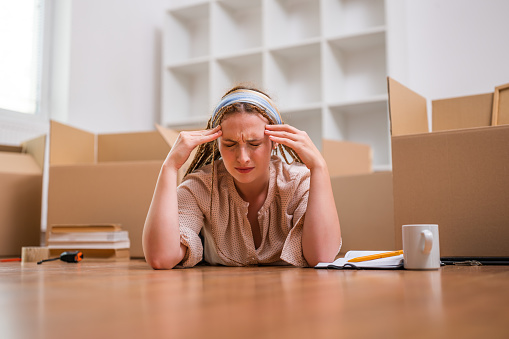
point(96, 241)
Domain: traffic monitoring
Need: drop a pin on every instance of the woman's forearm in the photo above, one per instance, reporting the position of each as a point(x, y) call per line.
point(321, 235)
point(161, 234)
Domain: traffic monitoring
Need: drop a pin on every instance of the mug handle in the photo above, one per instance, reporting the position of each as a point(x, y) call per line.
point(428, 241)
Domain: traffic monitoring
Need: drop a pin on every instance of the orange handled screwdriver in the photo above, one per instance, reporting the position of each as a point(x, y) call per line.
point(74, 256)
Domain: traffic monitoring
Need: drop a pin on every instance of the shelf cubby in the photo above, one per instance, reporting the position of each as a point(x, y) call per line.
point(188, 93)
point(355, 70)
point(239, 26)
point(190, 33)
point(292, 21)
point(174, 4)
point(342, 17)
point(296, 75)
point(245, 69)
point(364, 122)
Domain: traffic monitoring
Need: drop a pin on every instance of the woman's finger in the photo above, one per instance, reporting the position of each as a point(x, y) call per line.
point(211, 137)
point(204, 132)
point(284, 134)
point(284, 141)
point(211, 131)
point(282, 127)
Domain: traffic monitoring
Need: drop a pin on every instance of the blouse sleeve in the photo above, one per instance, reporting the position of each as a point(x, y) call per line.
point(191, 221)
point(292, 248)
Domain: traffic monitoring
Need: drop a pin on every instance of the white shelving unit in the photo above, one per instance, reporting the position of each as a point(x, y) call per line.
point(323, 62)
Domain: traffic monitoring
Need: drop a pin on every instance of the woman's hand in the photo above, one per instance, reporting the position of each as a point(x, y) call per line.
point(321, 234)
point(186, 142)
point(299, 141)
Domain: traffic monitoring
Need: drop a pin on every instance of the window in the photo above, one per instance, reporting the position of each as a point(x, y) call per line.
point(21, 35)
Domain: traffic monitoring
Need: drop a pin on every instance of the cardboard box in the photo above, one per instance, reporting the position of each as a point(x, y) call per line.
point(455, 178)
point(107, 178)
point(364, 199)
point(366, 211)
point(21, 170)
point(347, 158)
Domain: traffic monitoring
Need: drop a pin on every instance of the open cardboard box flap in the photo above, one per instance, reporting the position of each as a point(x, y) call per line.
point(28, 158)
point(462, 112)
point(407, 110)
point(72, 146)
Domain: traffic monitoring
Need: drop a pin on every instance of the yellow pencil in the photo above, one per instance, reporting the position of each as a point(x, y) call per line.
point(376, 256)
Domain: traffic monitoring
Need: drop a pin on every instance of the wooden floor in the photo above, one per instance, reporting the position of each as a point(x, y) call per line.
point(130, 300)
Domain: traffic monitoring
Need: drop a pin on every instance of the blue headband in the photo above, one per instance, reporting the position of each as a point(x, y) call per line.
point(250, 97)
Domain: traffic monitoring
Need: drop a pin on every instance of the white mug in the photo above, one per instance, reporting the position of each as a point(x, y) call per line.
point(421, 247)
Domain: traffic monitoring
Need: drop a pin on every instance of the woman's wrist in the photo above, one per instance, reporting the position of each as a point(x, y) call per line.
point(169, 169)
point(319, 166)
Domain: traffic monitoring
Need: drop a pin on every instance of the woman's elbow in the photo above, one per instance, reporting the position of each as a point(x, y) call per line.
point(323, 255)
point(160, 263)
point(312, 262)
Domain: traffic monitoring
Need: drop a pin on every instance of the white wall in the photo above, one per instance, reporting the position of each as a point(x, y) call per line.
point(449, 48)
point(438, 48)
point(112, 64)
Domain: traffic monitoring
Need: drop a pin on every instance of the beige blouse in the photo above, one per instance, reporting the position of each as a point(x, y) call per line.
point(226, 230)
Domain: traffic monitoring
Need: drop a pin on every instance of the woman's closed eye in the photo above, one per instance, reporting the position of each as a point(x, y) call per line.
point(254, 144)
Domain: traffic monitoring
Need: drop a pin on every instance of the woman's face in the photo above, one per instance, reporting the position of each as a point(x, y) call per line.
point(245, 148)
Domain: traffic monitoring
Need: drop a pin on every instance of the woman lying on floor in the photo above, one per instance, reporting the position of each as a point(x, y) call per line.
point(250, 207)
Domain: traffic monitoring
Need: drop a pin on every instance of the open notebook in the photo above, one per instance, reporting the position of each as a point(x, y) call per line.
point(394, 262)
